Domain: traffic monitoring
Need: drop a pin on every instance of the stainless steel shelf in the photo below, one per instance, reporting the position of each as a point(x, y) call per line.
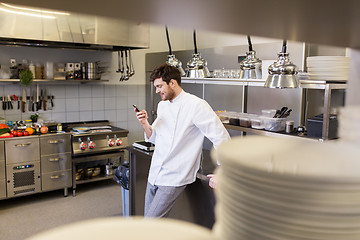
point(53, 81)
point(267, 133)
point(95, 179)
point(308, 84)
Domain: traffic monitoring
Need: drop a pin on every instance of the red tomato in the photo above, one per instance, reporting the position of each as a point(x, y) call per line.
point(14, 133)
point(26, 133)
point(19, 133)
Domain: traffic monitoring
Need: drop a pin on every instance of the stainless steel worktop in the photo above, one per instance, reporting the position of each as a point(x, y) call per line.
point(196, 204)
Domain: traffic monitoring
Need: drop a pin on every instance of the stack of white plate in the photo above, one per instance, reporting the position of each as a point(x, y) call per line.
point(328, 68)
point(134, 228)
point(287, 189)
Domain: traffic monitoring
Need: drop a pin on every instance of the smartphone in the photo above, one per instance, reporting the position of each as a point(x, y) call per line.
point(136, 108)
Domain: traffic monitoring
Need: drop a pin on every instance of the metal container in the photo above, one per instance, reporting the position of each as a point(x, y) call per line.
point(92, 71)
point(70, 70)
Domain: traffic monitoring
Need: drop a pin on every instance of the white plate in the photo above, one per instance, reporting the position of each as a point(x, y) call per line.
point(284, 213)
point(300, 160)
point(243, 221)
point(316, 203)
point(328, 58)
point(336, 69)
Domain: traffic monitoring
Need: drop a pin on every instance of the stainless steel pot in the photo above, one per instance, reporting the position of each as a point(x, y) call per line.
point(92, 71)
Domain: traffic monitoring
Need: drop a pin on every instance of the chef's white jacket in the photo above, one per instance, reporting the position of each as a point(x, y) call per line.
point(178, 134)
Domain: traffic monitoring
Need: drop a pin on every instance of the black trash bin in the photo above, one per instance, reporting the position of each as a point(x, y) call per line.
point(121, 176)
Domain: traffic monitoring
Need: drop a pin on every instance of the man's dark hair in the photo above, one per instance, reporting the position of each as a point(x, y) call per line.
point(166, 72)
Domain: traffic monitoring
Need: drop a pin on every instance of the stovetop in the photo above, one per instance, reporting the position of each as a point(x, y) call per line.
point(95, 137)
point(92, 127)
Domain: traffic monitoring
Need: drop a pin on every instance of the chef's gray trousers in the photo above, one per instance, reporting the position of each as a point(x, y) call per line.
point(160, 199)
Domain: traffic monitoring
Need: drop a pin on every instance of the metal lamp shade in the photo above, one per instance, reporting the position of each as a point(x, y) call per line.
point(173, 61)
point(197, 67)
point(250, 67)
point(282, 73)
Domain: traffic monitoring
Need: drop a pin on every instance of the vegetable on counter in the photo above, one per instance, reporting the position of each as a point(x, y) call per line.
point(26, 77)
point(4, 131)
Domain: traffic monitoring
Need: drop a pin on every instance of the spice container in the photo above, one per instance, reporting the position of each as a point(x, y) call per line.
point(289, 126)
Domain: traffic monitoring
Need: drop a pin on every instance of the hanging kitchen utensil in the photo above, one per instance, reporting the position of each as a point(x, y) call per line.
point(197, 66)
point(119, 62)
point(172, 60)
point(282, 73)
point(132, 70)
point(250, 67)
point(122, 66)
point(126, 72)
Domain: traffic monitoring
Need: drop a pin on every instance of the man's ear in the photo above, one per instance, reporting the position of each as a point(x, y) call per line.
point(173, 83)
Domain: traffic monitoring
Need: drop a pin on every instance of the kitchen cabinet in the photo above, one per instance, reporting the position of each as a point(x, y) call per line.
point(56, 167)
point(305, 85)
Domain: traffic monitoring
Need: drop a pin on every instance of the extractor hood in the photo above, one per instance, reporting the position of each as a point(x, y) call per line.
point(28, 26)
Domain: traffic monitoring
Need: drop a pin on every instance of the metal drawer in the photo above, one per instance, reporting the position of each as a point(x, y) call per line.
point(56, 180)
point(55, 144)
point(22, 150)
point(56, 162)
point(2, 188)
point(2, 170)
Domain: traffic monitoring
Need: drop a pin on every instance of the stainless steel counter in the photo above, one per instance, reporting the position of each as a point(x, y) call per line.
point(196, 204)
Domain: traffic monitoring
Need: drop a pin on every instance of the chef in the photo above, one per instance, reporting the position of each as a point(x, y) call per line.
point(183, 120)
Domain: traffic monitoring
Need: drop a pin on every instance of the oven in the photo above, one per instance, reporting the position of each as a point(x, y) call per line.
point(97, 149)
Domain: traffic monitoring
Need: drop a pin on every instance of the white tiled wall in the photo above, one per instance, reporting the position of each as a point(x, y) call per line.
point(85, 102)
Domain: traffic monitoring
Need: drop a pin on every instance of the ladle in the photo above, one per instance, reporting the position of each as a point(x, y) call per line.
point(132, 70)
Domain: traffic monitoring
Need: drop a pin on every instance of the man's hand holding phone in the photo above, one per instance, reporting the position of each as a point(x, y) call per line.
point(141, 115)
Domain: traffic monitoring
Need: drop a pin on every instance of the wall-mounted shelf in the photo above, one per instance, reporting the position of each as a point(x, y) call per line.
point(53, 81)
point(310, 84)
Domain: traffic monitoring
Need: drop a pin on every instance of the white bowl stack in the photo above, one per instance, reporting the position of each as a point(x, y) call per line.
point(278, 189)
point(328, 68)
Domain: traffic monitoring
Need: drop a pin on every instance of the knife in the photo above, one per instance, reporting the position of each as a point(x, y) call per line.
point(33, 101)
point(45, 100)
point(10, 106)
point(3, 103)
point(286, 114)
point(51, 103)
point(37, 97)
point(23, 100)
point(41, 99)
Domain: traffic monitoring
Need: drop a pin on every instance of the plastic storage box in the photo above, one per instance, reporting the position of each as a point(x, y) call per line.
point(257, 122)
point(275, 124)
point(268, 112)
